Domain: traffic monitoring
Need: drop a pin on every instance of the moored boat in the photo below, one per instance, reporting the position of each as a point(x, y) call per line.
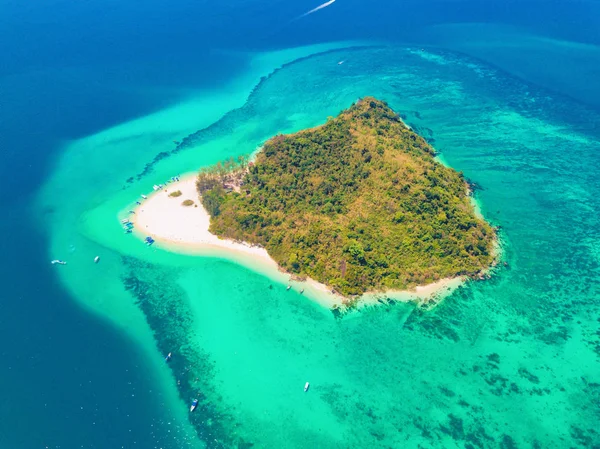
point(96, 259)
point(168, 357)
point(306, 386)
point(58, 261)
point(194, 405)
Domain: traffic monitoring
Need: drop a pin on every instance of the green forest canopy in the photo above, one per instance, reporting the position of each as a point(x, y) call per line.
point(359, 204)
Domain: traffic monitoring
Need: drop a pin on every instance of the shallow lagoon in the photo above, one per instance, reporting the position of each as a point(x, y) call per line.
point(510, 361)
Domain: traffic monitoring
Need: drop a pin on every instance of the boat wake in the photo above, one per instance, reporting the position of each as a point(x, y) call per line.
point(324, 5)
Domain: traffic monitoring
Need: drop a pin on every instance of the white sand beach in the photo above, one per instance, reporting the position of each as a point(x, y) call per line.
point(167, 220)
point(184, 229)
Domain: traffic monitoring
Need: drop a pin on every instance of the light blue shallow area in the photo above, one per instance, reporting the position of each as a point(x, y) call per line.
point(509, 362)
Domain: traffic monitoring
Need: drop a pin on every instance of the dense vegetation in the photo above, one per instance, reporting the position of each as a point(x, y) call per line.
point(359, 204)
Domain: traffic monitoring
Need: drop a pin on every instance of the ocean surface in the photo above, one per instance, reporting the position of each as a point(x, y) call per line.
point(101, 100)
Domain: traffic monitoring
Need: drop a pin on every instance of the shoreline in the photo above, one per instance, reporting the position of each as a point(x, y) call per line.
point(184, 229)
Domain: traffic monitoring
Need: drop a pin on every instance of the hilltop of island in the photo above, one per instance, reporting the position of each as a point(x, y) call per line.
point(359, 204)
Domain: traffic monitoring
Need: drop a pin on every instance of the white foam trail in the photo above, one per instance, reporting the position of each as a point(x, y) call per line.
point(324, 5)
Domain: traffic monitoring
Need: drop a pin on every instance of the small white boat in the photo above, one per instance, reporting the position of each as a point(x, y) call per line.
point(58, 261)
point(125, 220)
point(155, 187)
point(341, 62)
point(145, 197)
point(168, 357)
point(288, 287)
point(301, 291)
point(96, 259)
point(194, 405)
point(306, 386)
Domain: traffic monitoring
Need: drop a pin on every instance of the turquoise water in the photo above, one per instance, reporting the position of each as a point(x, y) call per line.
point(509, 362)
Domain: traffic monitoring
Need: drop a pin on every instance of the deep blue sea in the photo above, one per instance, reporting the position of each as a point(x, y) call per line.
point(71, 378)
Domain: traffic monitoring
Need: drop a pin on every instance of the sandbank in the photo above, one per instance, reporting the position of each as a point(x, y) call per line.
point(184, 229)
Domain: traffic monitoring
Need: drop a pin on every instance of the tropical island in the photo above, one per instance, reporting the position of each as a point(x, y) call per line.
point(359, 204)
